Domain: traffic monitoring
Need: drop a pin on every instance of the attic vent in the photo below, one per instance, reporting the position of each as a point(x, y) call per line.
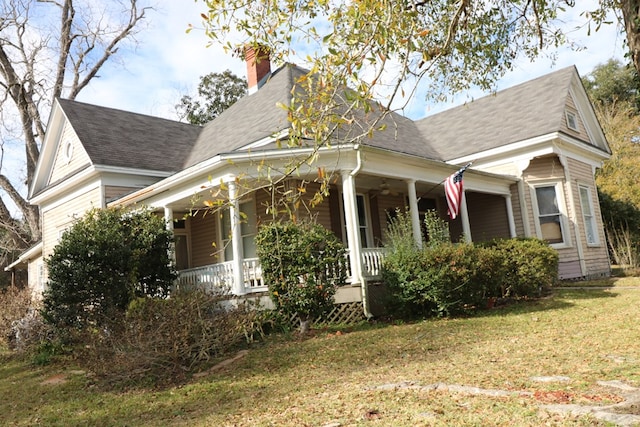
point(572, 121)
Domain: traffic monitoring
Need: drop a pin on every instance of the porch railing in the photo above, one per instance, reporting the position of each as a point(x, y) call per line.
point(220, 276)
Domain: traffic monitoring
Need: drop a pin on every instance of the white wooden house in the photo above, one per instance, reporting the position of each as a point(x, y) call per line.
point(535, 148)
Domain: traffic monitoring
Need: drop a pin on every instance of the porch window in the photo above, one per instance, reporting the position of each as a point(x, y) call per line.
point(549, 214)
point(248, 230)
point(587, 215)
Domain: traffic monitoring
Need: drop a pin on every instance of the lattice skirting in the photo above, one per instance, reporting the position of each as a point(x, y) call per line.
point(348, 313)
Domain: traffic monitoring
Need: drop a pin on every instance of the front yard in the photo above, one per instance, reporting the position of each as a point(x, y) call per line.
point(506, 366)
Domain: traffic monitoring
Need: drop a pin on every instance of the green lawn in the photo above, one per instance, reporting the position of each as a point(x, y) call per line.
point(344, 378)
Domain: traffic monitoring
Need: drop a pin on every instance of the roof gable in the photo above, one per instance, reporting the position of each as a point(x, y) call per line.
point(124, 139)
point(525, 111)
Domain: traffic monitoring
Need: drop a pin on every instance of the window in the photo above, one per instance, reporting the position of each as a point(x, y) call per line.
point(68, 151)
point(363, 221)
point(549, 214)
point(248, 230)
point(572, 121)
point(587, 215)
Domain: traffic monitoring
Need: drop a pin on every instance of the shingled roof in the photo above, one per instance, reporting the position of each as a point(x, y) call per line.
point(124, 139)
point(518, 113)
point(250, 119)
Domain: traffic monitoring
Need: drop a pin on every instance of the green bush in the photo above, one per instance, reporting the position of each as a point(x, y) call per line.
point(303, 264)
point(445, 279)
point(104, 261)
point(527, 266)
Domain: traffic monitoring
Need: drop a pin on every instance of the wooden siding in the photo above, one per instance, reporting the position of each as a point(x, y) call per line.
point(596, 256)
point(62, 166)
point(581, 133)
point(517, 210)
point(59, 218)
point(487, 216)
point(112, 192)
point(203, 232)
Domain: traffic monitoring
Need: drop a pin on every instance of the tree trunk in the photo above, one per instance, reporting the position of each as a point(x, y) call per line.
point(631, 13)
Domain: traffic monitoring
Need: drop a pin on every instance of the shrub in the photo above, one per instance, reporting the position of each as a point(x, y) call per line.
point(446, 279)
point(527, 266)
point(105, 260)
point(303, 264)
point(162, 339)
point(14, 305)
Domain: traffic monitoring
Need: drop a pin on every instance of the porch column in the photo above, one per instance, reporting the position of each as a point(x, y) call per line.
point(512, 224)
point(415, 214)
point(236, 241)
point(464, 216)
point(168, 221)
point(352, 225)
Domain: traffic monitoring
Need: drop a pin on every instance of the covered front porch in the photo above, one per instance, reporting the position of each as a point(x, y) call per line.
point(215, 247)
point(221, 276)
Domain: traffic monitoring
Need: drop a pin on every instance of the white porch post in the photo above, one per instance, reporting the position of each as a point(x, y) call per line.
point(352, 225)
point(415, 214)
point(236, 241)
point(512, 223)
point(168, 220)
point(464, 215)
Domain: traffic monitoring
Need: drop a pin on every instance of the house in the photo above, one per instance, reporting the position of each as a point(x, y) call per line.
point(535, 148)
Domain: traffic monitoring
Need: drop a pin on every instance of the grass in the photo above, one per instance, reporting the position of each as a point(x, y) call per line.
point(336, 376)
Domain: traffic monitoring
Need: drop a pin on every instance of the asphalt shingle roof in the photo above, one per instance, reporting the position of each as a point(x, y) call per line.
point(524, 111)
point(124, 139)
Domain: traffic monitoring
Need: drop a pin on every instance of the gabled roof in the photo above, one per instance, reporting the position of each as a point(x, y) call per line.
point(129, 140)
point(252, 118)
point(528, 110)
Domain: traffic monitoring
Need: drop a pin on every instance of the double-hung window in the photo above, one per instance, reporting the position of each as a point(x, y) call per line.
point(586, 203)
point(248, 230)
point(549, 205)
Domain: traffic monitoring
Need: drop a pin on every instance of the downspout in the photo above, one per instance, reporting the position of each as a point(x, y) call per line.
point(363, 286)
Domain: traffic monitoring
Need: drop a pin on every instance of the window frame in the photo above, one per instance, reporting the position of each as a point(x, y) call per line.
point(572, 121)
point(562, 211)
point(592, 215)
point(368, 232)
point(226, 213)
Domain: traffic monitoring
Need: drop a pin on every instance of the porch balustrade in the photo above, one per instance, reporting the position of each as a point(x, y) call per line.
point(220, 276)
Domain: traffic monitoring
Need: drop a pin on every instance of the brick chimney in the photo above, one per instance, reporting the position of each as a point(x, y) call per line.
point(258, 67)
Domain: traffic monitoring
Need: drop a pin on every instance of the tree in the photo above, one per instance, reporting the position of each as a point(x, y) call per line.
point(104, 261)
point(48, 49)
point(303, 265)
point(613, 83)
point(613, 88)
point(216, 93)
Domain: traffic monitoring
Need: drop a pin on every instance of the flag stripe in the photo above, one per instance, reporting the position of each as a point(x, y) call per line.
point(453, 188)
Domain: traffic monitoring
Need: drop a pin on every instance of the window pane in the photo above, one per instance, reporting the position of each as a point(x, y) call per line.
point(248, 218)
point(547, 200)
point(551, 229)
point(182, 253)
point(584, 201)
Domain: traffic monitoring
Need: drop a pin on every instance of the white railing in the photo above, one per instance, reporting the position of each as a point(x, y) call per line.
point(220, 276)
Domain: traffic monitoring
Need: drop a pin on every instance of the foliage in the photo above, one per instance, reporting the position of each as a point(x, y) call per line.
point(160, 340)
point(437, 229)
point(303, 265)
point(14, 305)
point(216, 93)
point(613, 83)
point(622, 227)
point(104, 261)
point(526, 266)
point(445, 279)
point(34, 71)
point(614, 88)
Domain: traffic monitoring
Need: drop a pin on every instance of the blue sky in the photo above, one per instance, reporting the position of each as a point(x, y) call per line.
point(169, 62)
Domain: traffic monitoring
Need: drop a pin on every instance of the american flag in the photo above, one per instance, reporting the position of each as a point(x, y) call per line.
point(453, 190)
